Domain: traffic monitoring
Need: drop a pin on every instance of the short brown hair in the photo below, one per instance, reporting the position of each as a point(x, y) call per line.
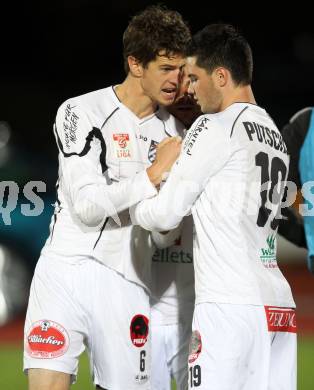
point(154, 30)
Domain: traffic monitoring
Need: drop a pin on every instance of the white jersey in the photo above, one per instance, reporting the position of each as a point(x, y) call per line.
point(104, 149)
point(172, 287)
point(225, 159)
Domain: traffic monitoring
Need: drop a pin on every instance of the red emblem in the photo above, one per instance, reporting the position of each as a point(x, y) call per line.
point(281, 319)
point(47, 339)
point(122, 140)
point(139, 330)
point(195, 346)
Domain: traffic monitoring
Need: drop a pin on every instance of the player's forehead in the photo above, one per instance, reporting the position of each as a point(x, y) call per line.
point(164, 58)
point(191, 67)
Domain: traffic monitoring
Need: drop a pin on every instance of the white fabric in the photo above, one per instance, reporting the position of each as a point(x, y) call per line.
point(238, 352)
point(172, 304)
point(170, 350)
point(218, 177)
point(95, 263)
point(172, 287)
point(89, 303)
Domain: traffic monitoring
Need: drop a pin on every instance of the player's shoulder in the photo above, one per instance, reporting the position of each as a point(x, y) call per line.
point(98, 104)
point(294, 132)
point(232, 116)
point(213, 124)
point(172, 125)
point(303, 114)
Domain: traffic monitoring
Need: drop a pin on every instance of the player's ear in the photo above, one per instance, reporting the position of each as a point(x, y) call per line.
point(136, 68)
point(221, 76)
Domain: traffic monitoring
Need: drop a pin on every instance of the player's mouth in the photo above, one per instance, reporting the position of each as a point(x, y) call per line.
point(169, 93)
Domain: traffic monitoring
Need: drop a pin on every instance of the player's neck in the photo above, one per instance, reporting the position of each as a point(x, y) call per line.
point(131, 94)
point(240, 94)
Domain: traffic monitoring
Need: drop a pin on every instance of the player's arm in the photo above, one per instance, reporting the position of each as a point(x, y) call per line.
point(164, 239)
point(205, 151)
point(92, 196)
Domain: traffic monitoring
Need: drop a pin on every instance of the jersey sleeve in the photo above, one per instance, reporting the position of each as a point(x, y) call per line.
point(165, 239)
point(205, 151)
point(92, 196)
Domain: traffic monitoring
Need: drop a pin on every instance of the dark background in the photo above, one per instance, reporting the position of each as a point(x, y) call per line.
point(55, 50)
point(52, 50)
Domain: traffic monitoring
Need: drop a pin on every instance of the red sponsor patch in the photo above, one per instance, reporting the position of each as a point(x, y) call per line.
point(46, 340)
point(139, 330)
point(122, 140)
point(281, 319)
point(195, 347)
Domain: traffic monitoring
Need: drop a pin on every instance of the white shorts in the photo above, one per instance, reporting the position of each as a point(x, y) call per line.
point(170, 351)
point(242, 347)
point(88, 304)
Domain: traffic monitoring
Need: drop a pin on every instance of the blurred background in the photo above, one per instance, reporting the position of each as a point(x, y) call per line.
point(51, 51)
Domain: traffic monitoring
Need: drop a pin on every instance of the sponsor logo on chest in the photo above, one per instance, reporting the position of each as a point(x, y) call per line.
point(172, 255)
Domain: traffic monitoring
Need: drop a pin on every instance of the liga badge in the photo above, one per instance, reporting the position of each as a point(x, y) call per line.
point(122, 145)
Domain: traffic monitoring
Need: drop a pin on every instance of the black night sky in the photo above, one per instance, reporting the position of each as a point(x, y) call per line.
point(55, 50)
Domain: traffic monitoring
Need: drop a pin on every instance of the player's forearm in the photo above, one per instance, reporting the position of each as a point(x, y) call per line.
point(151, 217)
point(160, 213)
point(96, 201)
point(154, 174)
point(165, 239)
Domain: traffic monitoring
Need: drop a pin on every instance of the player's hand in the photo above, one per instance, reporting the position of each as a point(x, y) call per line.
point(166, 154)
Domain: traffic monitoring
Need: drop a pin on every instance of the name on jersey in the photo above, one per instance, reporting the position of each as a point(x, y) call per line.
point(122, 145)
point(264, 135)
point(70, 124)
point(193, 134)
point(171, 256)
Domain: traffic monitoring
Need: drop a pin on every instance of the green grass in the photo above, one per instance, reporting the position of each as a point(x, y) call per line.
point(12, 378)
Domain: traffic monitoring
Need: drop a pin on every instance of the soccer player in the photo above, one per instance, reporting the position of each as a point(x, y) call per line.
point(172, 288)
point(298, 135)
point(231, 173)
point(90, 284)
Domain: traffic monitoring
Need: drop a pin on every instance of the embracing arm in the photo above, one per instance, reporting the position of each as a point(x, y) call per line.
point(92, 196)
point(205, 151)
